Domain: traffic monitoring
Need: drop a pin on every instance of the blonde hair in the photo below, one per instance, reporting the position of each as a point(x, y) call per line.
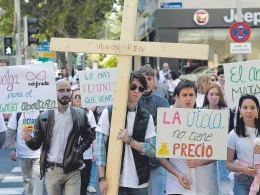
point(202, 83)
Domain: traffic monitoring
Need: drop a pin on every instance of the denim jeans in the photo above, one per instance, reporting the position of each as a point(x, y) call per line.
point(157, 181)
point(93, 175)
point(132, 191)
point(242, 184)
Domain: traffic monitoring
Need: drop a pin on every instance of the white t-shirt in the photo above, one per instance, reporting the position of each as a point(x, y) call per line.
point(199, 100)
point(92, 122)
point(172, 84)
point(244, 146)
point(2, 124)
point(200, 181)
point(22, 151)
point(129, 177)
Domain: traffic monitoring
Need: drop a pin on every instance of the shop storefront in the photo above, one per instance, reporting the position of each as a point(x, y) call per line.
point(208, 26)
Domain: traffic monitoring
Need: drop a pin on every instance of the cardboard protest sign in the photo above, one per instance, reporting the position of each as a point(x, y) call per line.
point(241, 78)
point(192, 134)
point(27, 88)
point(97, 87)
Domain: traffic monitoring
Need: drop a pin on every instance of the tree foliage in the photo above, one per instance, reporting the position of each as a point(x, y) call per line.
point(60, 18)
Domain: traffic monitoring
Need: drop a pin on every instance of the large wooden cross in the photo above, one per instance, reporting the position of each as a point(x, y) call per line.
point(125, 48)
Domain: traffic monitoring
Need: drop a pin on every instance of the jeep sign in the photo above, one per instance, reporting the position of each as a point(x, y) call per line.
point(248, 17)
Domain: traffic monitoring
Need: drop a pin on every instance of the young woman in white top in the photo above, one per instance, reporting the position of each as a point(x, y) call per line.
point(171, 83)
point(217, 172)
point(202, 84)
point(242, 140)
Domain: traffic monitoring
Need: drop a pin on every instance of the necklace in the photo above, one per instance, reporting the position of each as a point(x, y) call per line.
point(249, 134)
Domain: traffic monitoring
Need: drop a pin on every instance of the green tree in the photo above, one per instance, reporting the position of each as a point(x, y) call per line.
point(60, 18)
point(111, 62)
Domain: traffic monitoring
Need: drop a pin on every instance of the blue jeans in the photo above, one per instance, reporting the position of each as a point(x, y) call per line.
point(93, 175)
point(242, 184)
point(157, 181)
point(132, 191)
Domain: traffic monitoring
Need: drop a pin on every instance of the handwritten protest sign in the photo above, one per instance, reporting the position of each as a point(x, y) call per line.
point(27, 88)
point(97, 87)
point(241, 78)
point(192, 134)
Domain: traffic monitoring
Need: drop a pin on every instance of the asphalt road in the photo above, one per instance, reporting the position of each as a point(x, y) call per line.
point(11, 178)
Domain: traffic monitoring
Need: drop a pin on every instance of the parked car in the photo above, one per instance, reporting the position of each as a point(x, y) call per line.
point(201, 71)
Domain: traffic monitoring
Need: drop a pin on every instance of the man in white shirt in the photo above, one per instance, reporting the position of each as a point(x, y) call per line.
point(178, 170)
point(58, 132)
point(139, 139)
point(28, 159)
point(2, 130)
point(163, 74)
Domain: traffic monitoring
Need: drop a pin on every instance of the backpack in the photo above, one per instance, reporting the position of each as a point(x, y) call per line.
point(79, 115)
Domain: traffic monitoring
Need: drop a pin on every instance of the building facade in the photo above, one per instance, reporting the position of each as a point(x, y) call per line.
point(197, 22)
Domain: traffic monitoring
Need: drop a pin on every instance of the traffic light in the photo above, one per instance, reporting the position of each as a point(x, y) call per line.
point(30, 28)
point(8, 46)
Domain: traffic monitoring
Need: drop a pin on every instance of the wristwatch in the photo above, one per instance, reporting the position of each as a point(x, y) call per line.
point(102, 179)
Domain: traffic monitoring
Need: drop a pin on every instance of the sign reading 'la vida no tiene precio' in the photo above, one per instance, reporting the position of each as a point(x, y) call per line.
point(97, 87)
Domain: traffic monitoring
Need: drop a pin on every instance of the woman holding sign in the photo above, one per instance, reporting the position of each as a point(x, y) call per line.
point(88, 157)
point(244, 140)
point(214, 99)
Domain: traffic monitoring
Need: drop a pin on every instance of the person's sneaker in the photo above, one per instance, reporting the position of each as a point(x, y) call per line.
point(91, 189)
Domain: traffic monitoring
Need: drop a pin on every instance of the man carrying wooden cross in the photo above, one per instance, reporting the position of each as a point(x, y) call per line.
point(139, 140)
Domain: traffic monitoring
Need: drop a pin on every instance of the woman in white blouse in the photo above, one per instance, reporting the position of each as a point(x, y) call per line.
point(217, 172)
point(202, 84)
point(242, 140)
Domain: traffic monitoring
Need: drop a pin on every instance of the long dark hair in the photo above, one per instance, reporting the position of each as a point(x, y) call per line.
point(240, 126)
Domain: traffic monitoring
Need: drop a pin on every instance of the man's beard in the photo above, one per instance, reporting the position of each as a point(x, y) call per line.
point(64, 100)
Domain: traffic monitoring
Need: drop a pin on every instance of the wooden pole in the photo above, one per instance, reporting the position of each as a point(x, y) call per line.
point(120, 99)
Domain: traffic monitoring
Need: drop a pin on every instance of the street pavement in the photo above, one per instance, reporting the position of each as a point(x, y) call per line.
point(11, 177)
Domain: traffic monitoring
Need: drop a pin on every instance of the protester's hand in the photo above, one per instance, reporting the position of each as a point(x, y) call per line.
point(257, 149)
point(26, 135)
point(12, 155)
point(249, 170)
point(94, 157)
point(184, 181)
point(192, 163)
point(103, 187)
point(123, 134)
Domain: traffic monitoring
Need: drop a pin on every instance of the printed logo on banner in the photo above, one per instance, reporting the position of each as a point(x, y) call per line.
point(191, 133)
point(97, 87)
point(27, 88)
point(201, 17)
point(241, 78)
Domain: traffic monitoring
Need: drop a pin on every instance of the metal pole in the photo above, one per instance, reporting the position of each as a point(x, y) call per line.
point(17, 9)
point(239, 19)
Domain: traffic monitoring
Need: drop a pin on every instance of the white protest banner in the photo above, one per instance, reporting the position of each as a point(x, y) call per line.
point(241, 78)
point(192, 134)
point(27, 88)
point(97, 87)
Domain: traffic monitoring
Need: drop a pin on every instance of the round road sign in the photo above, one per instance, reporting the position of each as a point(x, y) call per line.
point(240, 32)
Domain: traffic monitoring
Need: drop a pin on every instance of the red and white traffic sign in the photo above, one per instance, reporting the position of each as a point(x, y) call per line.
point(240, 32)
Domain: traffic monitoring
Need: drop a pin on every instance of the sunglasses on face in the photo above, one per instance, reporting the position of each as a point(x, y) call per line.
point(77, 96)
point(134, 87)
point(64, 90)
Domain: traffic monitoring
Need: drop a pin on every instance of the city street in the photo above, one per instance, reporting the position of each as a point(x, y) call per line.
point(11, 177)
